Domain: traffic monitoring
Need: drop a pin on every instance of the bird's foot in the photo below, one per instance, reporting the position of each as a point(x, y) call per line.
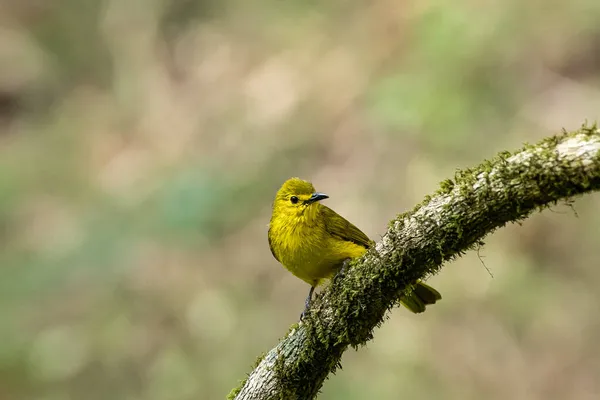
point(307, 303)
point(345, 266)
point(303, 314)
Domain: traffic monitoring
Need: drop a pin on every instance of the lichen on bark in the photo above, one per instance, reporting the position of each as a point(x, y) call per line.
point(448, 223)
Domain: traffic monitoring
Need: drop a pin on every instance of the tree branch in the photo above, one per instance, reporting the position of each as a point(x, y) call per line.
point(455, 219)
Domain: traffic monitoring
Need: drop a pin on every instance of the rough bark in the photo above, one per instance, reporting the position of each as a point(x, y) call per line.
point(453, 220)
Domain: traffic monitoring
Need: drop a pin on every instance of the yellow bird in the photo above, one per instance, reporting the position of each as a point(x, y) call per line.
point(312, 241)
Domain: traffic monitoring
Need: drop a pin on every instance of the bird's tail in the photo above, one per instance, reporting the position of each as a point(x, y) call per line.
point(420, 296)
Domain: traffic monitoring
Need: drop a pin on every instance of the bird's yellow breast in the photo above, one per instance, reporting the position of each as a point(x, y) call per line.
point(305, 247)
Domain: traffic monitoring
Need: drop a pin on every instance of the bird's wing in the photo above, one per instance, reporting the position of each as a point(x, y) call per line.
point(338, 226)
point(271, 245)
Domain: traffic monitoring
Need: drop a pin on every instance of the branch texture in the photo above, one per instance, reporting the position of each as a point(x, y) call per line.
point(455, 219)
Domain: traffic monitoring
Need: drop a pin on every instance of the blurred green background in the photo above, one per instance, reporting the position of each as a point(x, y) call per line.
point(142, 142)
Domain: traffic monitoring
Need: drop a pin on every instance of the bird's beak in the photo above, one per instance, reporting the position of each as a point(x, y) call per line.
point(316, 197)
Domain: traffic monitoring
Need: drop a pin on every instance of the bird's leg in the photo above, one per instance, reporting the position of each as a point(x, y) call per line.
point(307, 302)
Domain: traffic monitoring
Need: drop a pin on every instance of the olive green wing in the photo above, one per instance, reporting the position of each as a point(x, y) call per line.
point(271, 245)
point(338, 226)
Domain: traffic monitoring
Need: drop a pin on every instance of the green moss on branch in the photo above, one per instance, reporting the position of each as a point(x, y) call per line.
point(417, 243)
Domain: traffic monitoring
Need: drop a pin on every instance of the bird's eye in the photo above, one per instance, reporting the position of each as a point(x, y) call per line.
point(294, 199)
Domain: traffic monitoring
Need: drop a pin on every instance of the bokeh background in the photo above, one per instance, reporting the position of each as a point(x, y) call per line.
point(141, 144)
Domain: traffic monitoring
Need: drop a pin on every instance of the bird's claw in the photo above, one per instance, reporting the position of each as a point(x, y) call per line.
point(307, 303)
point(303, 314)
point(342, 271)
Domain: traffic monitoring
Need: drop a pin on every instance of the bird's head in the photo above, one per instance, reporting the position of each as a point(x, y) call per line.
point(295, 197)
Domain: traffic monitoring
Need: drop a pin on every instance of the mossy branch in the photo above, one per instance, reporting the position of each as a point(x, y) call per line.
point(455, 219)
